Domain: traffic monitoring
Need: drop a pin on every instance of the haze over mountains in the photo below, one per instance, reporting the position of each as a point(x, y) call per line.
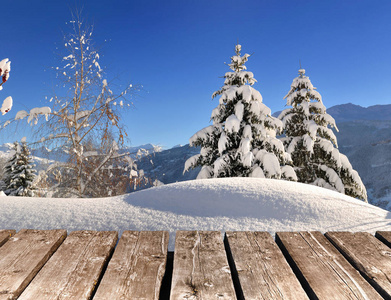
point(364, 136)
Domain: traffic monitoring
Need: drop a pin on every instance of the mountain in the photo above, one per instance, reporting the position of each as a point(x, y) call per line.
point(365, 138)
point(367, 144)
point(61, 155)
point(351, 112)
point(167, 166)
point(6, 150)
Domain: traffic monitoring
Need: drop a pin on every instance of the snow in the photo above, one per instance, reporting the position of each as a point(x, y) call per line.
point(222, 144)
point(312, 128)
point(21, 114)
point(246, 92)
point(5, 69)
point(6, 106)
point(308, 143)
point(258, 108)
point(206, 172)
point(191, 161)
point(333, 178)
point(257, 173)
point(289, 173)
point(35, 112)
point(239, 109)
point(213, 204)
point(271, 165)
point(219, 164)
point(201, 134)
point(245, 146)
point(248, 159)
point(232, 124)
point(247, 133)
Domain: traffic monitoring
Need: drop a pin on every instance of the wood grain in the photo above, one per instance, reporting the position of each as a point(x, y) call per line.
point(137, 267)
point(384, 236)
point(323, 271)
point(368, 255)
point(23, 256)
point(5, 235)
point(73, 271)
point(201, 269)
point(261, 267)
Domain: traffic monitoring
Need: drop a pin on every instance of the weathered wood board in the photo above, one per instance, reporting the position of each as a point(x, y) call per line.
point(137, 267)
point(23, 255)
point(5, 235)
point(384, 236)
point(201, 269)
point(261, 267)
point(74, 270)
point(323, 271)
point(368, 255)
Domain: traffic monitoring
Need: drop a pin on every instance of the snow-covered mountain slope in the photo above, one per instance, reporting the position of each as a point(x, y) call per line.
point(6, 150)
point(60, 155)
point(210, 204)
point(167, 166)
point(368, 147)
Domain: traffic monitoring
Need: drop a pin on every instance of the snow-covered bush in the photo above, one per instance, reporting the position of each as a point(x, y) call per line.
point(242, 140)
point(311, 143)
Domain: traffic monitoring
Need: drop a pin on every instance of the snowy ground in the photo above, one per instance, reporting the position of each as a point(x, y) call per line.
point(211, 204)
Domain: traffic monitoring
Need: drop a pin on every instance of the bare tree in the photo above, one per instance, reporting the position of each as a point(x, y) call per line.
point(85, 109)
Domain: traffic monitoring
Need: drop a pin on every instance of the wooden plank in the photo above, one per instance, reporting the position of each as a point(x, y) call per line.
point(137, 267)
point(322, 270)
point(5, 235)
point(23, 256)
point(74, 270)
point(201, 269)
point(261, 267)
point(384, 236)
point(368, 255)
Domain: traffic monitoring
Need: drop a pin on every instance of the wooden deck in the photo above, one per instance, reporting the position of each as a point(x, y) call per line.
point(49, 264)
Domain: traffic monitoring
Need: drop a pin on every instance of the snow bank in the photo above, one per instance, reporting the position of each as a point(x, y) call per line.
point(211, 204)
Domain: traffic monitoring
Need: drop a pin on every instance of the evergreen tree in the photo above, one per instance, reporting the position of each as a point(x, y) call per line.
point(242, 140)
point(311, 142)
point(22, 172)
point(7, 175)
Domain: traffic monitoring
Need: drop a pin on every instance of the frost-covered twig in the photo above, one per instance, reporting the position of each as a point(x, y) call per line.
point(5, 68)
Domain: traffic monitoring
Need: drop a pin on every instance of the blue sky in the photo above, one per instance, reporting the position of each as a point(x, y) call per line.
point(177, 51)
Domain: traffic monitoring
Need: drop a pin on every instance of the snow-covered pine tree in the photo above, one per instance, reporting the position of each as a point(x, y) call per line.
point(311, 142)
point(7, 172)
point(242, 140)
point(23, 173)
